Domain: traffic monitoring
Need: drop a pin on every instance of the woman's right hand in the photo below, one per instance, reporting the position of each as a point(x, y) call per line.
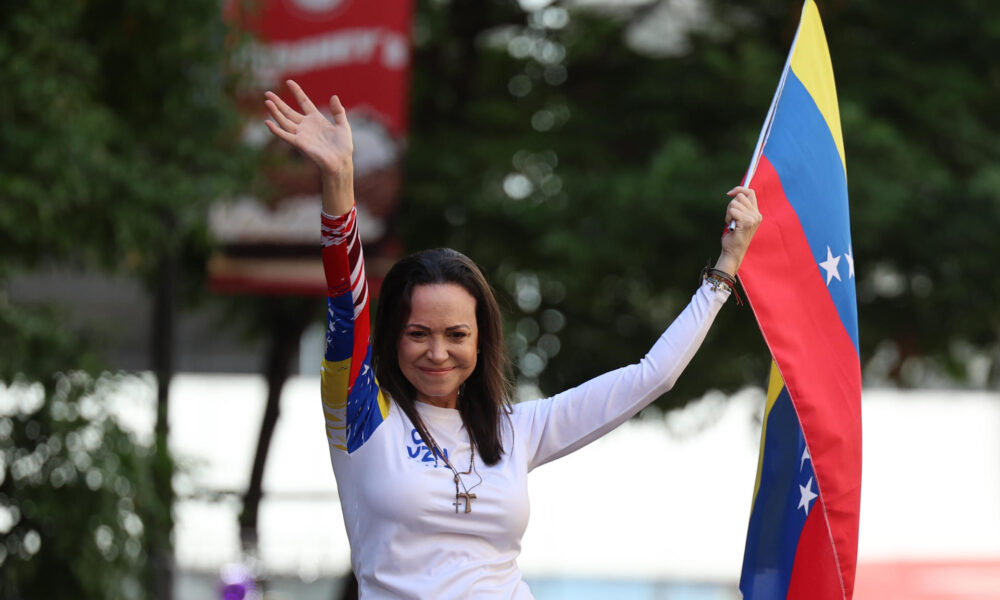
point(328, 144)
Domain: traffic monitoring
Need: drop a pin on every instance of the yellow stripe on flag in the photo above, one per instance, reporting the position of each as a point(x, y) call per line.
point(774, 386)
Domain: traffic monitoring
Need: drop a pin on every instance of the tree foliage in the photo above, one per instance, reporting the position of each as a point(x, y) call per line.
point(588, 177)
point(119, 128)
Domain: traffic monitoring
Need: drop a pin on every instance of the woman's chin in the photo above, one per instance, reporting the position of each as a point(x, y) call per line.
point(438, 396)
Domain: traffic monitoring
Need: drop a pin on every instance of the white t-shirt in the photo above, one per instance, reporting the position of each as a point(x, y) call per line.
point(409, 535)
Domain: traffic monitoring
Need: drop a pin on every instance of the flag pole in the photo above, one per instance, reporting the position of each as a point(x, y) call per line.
point(765, 130)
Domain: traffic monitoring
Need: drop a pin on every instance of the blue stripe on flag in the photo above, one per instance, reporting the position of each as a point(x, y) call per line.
point(802, 151)
point(776, 519)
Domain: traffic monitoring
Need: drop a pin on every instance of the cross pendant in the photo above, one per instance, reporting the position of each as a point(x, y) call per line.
point(468, 501)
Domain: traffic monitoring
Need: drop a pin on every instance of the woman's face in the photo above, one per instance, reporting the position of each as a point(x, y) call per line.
point(437, 350)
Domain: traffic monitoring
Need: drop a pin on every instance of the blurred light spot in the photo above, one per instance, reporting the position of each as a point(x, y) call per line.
point(543, 120)
point(888, 282)
point(520, 159)
point(32, 542)
point(533, 5)
point(123, 487)
point(519, 85)
point(57, 478)
point(527, 294)
point(552, 320)
point(551, 185)
point(517, 186)
point(520, 46)
point(527, 390)
point(132, 524)
point(555, 17)
point(133, 549)
point(550, 53)
point(9, 517)
point(532, 364)
point(549, 344)
point(94, 479)
point(528, 328)
point(555, 291)
point(103, 538)
point(518, 345)
point(555, 75)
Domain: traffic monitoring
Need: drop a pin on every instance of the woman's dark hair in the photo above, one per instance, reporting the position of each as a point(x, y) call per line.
point(486, 393)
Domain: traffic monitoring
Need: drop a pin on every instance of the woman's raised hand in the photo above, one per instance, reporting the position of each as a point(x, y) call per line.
point(326, 143)
point(741, 212)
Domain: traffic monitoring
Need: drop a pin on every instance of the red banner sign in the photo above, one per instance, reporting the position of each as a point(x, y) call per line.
point(359, 50)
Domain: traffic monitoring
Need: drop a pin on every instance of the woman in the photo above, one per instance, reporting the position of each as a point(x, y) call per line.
point(429, 454)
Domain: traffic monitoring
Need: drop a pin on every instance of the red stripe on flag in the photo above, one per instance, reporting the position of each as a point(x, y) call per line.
point(815, 355)
point(814, 573)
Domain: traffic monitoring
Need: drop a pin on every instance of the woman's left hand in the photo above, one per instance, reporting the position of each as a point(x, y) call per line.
point(742, 211)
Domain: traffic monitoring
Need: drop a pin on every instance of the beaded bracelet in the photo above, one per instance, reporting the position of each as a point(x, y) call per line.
point(718, 278)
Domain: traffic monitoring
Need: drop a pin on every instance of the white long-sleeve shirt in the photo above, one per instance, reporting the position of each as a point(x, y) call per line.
point(409, 535)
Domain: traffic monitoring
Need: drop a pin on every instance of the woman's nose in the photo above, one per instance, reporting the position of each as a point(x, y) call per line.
point(437, 351)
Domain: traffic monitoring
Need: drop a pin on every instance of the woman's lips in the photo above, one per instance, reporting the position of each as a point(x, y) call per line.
point(437, 371)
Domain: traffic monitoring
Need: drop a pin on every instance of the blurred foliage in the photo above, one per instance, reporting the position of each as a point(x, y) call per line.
point(118, 129)
point(73, 485)
point(586, 169)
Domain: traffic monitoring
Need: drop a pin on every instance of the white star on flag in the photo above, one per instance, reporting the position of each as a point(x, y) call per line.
point(807, 496)
point(850, 263)
point(805, 456)
point(830, 265)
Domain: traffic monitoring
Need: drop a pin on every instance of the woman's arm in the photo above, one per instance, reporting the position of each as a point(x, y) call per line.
point(352, 402)
point(553, 427)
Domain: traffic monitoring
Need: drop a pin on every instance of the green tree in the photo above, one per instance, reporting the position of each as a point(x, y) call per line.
point(118, 129)
point(588, 176)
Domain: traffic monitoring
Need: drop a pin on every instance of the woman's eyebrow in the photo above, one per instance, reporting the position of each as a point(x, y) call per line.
point(448, 328)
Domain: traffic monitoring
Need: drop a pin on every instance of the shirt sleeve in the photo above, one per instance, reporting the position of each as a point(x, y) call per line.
point(553, 427)
point(353, 404)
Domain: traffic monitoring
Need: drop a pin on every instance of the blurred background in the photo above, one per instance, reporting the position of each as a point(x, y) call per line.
point(161, 300)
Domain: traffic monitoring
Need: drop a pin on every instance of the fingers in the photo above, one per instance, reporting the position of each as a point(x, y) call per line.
point(300, 96)
point(279, 132)
point(285, 123)
point(743, 194)
point(338, 111)
point(742, 205)
point(290, 113)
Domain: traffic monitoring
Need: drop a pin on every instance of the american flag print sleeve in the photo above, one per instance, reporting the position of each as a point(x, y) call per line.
point(353, 404)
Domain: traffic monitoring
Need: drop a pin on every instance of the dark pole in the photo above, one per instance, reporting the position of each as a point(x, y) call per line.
point(288, 318)
point(159, 517)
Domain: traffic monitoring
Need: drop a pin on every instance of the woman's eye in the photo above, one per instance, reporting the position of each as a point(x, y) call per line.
point(459, 335)
point(417, 335)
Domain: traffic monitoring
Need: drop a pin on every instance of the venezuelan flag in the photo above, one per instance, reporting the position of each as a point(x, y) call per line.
point(799, 279)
